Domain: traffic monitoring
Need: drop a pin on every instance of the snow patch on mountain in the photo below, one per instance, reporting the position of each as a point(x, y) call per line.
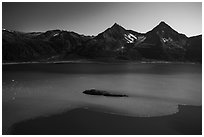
point(55, 34)
point(131, 35)
point(130, 38)
point(8, 30)
point(166, 40)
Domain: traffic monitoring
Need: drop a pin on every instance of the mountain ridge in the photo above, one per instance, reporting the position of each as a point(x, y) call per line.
point(114, 43)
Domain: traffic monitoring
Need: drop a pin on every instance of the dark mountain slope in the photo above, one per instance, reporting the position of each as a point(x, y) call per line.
point(19, 47)
point(162, 42)
point(112, 43)
point(194, 49)
point(54, 44)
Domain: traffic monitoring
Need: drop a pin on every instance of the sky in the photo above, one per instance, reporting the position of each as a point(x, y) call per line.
point(93, 18)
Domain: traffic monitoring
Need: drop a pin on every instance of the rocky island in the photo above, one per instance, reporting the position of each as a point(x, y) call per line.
point(103, 93)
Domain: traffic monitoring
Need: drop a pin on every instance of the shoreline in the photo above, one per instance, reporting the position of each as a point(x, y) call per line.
point(100, 62)
point(81, 121)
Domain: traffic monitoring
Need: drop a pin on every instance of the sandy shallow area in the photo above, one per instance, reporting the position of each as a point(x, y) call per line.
point(83, 121)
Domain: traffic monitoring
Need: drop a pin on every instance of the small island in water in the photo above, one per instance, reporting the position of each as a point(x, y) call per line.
point(103, 93)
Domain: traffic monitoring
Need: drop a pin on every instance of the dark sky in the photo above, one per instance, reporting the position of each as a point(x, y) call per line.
point(93, 18)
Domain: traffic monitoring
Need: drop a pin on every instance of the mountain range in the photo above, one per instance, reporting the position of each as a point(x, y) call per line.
point(162, 43)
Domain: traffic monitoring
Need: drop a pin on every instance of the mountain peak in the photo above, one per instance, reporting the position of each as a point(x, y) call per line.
point(162, 23)
point(116, 25)
point(116, 28)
